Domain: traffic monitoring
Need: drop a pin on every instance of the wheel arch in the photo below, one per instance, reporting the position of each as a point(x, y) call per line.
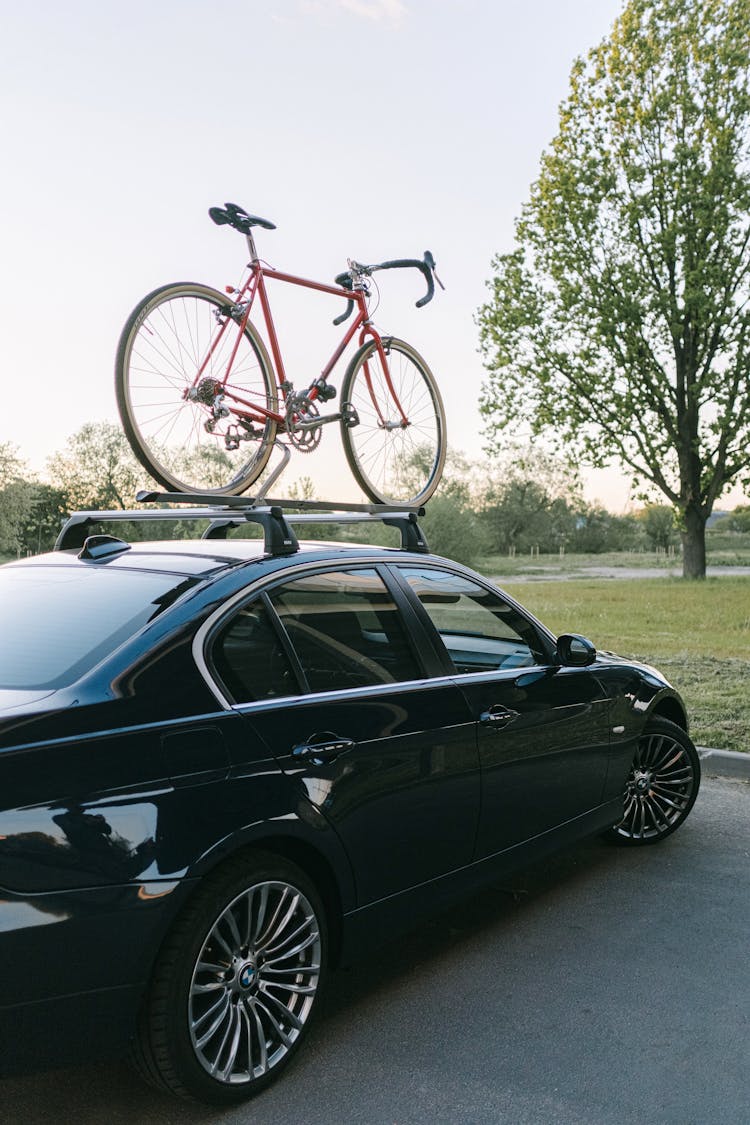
point(672, 708)
point(319, 871)
point(334, 887)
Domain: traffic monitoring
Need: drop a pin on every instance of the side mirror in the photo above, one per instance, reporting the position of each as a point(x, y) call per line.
point(574, 651)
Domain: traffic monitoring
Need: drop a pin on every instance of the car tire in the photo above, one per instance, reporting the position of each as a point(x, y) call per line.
point(661, 787)
point(236, 983)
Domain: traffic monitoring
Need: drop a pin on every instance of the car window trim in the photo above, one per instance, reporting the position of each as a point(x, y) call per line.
point(344, 694)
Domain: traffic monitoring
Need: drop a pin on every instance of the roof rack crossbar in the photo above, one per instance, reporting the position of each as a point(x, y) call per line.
point(279, 539)
point(233, 511)
point(246, 503)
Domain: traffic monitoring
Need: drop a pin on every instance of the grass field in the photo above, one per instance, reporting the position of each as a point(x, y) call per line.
point(721, 550)
point(697, 633)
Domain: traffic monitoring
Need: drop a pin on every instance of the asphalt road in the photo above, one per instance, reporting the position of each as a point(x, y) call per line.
point(611, 987)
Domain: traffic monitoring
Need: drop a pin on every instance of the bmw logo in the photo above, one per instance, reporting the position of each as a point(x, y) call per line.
point(248, 975)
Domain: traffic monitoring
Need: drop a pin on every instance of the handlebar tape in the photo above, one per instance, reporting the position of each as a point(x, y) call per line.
point(425, 267)
point(345, 281)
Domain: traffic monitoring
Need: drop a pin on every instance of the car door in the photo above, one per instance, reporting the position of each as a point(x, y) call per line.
point(330, 669)
point(542, 729)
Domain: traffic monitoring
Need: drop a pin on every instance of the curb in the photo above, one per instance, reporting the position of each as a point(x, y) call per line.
point(724, 763)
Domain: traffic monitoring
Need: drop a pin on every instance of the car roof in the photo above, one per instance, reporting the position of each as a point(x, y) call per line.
point(198, 557)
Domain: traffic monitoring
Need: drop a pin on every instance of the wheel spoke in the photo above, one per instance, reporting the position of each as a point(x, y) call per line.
point(286, 939)
point(276, 927)
point(223, 1006)
point(261, 914)
point(260, 1035)
point(236, 1025)
point(293, 952)
point(231, 923)
point(286, 1012)
point(301, 989)
point(285, 1038)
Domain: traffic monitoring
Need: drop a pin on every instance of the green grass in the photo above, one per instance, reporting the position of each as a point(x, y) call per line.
point(697, 633)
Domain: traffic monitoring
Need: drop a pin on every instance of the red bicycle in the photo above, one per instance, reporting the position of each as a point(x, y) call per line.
point(202, 403)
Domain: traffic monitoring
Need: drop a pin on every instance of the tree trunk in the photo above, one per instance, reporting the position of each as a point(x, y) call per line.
point(693, 543)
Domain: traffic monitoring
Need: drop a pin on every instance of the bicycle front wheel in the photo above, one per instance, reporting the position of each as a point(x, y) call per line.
point(393, 426)
point(174, 360)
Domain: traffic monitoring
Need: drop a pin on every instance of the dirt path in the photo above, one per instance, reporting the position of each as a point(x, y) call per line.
point(551, 574)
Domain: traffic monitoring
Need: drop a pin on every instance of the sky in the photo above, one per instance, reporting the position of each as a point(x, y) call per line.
point(369, 129)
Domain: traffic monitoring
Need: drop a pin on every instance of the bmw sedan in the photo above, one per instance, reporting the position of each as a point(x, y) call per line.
point(229, 764)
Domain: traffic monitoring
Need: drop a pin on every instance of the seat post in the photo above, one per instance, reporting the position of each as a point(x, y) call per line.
point(251, 247)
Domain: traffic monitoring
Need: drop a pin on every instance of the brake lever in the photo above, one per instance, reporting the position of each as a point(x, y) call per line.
point(429, 261)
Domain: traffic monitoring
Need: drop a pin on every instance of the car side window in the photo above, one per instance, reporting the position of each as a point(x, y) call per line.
point(345, 629)
point(249, 657)
point(480, 630)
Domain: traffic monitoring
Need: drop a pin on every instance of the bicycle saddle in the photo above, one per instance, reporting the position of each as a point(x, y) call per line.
point(238, 218)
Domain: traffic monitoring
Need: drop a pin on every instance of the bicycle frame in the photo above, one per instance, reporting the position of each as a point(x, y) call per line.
point(256, 286)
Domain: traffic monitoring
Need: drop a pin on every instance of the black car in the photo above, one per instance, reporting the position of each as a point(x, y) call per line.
point(227, 764)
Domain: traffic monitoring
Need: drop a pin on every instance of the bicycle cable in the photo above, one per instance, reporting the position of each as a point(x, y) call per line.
point(371, 311)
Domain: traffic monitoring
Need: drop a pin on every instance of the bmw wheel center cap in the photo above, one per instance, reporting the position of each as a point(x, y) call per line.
point(248, 975)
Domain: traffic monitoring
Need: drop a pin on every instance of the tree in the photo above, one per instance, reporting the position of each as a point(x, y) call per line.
point(15, 499)
point(450, 524)
point(658, 523)
point(43, 518)
point(738, 520)
point(620, 322)
point(11, 465)
point(529, 500)
point(97, 469)
point(15, 494)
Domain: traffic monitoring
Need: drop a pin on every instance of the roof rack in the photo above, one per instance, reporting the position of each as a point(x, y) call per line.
point(234, 511)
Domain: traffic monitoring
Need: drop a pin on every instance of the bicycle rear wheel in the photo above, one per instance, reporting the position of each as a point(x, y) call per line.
point(174, 333)
point(392, 460)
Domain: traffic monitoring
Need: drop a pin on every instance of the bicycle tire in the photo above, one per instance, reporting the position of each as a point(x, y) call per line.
point(161, 346)
point(403, 464)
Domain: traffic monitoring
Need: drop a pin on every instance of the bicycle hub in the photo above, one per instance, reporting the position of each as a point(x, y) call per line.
point(206, 392)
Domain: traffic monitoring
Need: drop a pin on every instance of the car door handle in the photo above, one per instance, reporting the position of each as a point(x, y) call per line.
point(497, 717)
point(322, 748)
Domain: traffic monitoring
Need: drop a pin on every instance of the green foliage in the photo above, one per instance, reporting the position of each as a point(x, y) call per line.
point(15, 498)
point(11, 465)
point(529, 500)
point(42, 518)
point(620, 323)
point(97, 469)
point(738, 520)
point(452, 529)
point(30, 512)
point(598, 531)
point(658, 524)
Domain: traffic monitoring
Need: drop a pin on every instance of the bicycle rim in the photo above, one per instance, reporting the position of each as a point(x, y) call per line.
point(168, 338)
point(394, 461)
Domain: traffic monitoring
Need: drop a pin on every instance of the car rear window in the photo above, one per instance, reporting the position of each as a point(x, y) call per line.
point(56, 623)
